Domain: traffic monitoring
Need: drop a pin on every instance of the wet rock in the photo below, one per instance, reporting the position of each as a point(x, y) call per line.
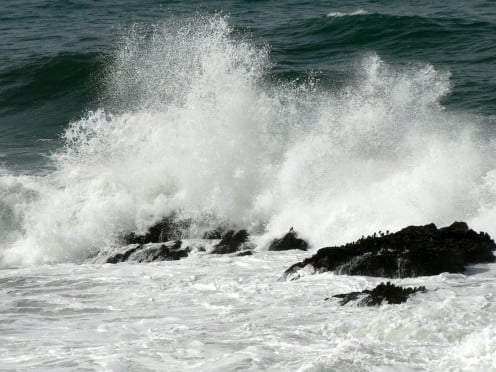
point(384, 292)
point(122, 257)
point(214, 234)
point(413, 251)
point(288, 241)
point(231, 242)
point(244, 253)
point(164, 253)
point(152, 252)
point(167, 229)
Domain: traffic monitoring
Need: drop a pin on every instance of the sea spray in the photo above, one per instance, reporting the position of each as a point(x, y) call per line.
point(191, 124)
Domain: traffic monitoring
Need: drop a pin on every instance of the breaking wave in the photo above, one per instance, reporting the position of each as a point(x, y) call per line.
point(192, 124)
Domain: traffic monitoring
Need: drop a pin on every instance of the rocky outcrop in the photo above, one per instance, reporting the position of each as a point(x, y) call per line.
point(232, 242)
point(123, 257)
point(214, 234)
point(171, 251)
point(167, 229)
point(387, 292)
point(287, 242)
point(413, 251)
point(162, 243)
point(244, 253)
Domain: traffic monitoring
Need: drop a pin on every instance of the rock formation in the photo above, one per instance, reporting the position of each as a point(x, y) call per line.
point(232, 242)
point(382, 293)
point(412, 251)
point(167, 229)
point(170, 251)
point(287, 242)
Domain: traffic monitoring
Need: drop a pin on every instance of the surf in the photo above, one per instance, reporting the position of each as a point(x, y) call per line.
point(190, 123)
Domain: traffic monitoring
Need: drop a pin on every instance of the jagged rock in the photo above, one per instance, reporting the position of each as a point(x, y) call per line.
point(383, 292)
point(231, 242)
point(288, 241)
point(167, 229)
point(165, 253)
point(122, 257)
point(152, 252)
point(413, 251)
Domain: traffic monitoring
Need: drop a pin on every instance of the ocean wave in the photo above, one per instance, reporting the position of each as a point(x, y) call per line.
point(40, 81)
point(354, 13)
point(193, 126)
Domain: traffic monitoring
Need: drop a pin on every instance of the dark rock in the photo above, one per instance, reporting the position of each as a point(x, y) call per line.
point(288, 241)
point(214, 234)
point(122, 257)
point(167, 229)
point(244, 253)
point(152, 252)
point(231, 242)
point(383, 292)
point(413, 251)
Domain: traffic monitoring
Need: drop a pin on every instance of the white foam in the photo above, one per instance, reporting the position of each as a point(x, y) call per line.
point(191, 124)
point(209, 312)
point(341, 14)
point(475, 351)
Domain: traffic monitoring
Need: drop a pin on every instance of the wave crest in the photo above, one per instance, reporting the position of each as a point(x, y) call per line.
point(341, 14)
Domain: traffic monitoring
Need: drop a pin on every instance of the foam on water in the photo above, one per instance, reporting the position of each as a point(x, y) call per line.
point(341, 14)
point(211, 312)
point(191, 124)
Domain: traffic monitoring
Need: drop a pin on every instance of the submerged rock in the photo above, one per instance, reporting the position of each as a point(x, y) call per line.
point(288, 241)
point(413, 251)
point(231, 242)
point(151, 252)
point(383, 292)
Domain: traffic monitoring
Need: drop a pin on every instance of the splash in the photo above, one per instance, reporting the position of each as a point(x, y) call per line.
point(192, 125)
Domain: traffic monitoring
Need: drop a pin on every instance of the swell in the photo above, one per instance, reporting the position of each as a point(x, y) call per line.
point(37, 100)
point(389, 29)
point(462, 45)
point(47, 79)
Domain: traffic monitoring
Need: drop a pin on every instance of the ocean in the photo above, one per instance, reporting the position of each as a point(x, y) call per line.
point(339, 119)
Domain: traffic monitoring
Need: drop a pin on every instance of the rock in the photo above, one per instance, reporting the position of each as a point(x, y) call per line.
point(383, 292)
point(288, 241)
point(167, 229)
point(164, 253)
point(152, 252)
point(244, 253)
point(214, 234)
point(413, 251)
point(231, 242)
point(122, 257)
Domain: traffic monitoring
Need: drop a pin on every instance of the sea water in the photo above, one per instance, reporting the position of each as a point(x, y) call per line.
point(337, 120)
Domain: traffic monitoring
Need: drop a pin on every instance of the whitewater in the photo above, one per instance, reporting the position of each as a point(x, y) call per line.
point(217, 313)
point(191, 122)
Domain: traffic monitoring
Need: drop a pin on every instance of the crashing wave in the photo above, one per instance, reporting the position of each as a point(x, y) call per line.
point(192, 125)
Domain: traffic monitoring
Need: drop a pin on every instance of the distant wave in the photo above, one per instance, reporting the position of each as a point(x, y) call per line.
point(340, 14)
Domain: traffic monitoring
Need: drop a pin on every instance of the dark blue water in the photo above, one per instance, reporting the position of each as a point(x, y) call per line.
point(54, 54)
